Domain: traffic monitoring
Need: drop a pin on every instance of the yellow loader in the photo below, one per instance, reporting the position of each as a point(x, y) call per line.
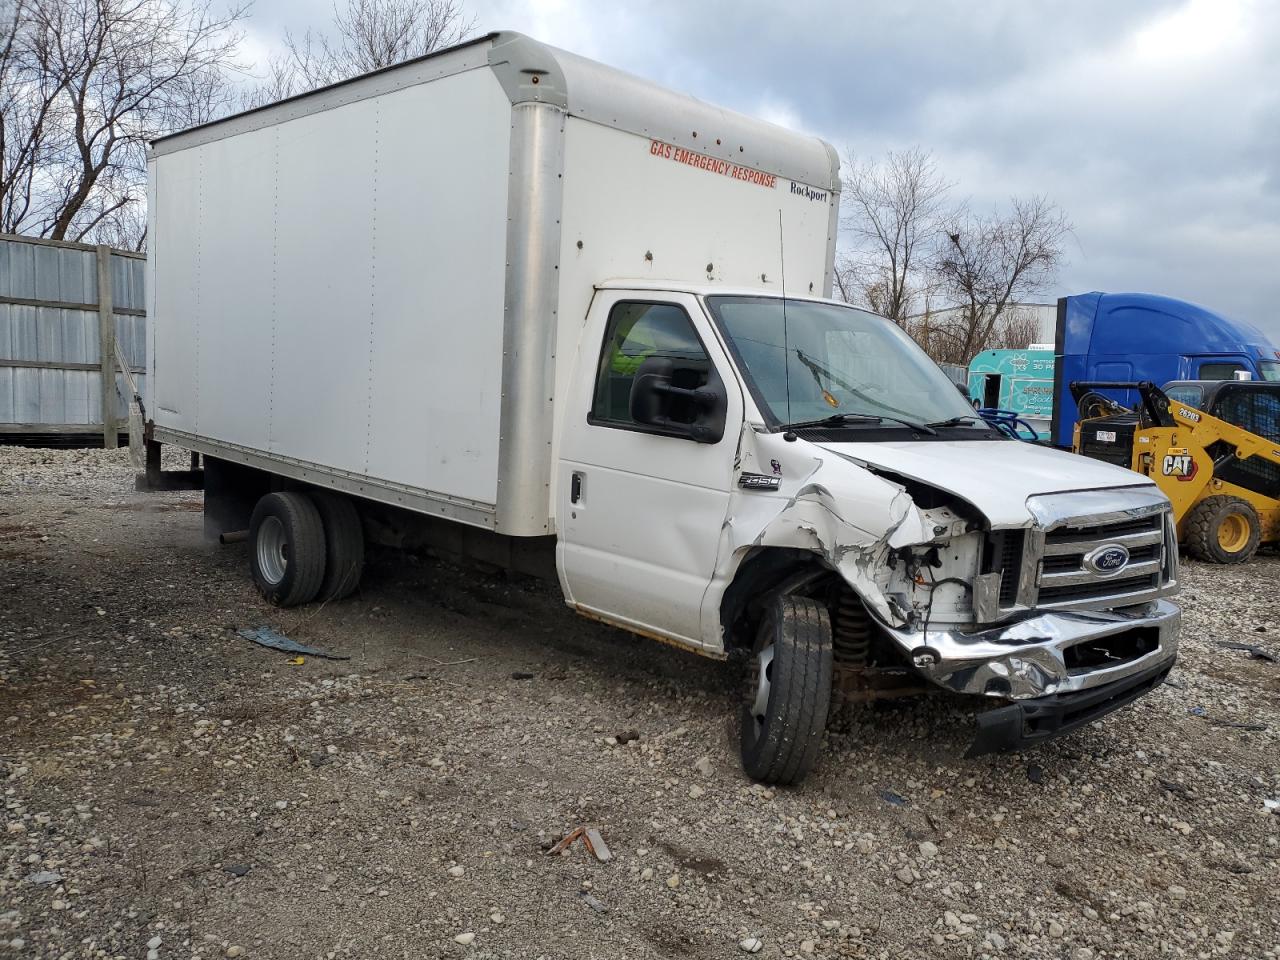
point(1212, 446)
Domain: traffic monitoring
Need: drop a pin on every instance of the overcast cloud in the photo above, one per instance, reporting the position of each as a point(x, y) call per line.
point(1155, 124)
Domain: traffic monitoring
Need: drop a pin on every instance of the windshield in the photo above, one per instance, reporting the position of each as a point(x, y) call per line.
point(1270, 370)
point(839, 360)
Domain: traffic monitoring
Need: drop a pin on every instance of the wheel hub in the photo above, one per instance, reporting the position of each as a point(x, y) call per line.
point(1233, 533)
point(273, 550)
point(762, 670)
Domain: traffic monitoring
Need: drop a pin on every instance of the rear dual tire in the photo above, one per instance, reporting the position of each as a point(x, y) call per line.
point(304, 547)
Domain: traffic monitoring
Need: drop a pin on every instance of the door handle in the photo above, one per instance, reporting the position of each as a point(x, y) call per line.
point(575, 488)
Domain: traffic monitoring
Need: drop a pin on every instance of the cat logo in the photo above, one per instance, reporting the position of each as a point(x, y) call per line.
point(1179, 463)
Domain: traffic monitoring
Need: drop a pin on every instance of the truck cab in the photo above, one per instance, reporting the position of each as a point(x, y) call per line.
point(794, 481)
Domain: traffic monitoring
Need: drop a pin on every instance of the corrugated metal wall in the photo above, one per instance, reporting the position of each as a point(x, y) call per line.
point(50, 360)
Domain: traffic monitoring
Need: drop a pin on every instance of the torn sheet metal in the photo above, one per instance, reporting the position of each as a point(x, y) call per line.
point(267, 637)
point(849, 517)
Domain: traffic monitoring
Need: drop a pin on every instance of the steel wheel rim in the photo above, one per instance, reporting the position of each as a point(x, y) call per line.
point(273, 550)
point(762, 669)
point(1233, 533)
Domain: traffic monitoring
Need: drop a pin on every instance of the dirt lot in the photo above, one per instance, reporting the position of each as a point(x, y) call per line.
point(172, 790)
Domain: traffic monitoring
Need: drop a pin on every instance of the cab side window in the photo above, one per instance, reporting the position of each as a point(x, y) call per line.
point(638, 332)
point(1219, 371)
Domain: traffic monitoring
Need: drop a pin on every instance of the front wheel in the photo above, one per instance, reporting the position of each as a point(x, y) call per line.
point(789, 693)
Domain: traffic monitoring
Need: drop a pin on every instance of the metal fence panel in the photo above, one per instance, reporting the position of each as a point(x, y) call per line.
point(51, 336)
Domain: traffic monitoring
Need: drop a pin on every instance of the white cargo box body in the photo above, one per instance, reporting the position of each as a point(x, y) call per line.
point(379, 286)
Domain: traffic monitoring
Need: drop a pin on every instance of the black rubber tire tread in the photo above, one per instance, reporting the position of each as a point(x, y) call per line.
point(799, 696)
point(304, 532)
point(343, 542)
point(1202, 530)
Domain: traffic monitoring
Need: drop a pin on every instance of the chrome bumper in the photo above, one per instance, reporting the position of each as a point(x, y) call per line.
point(1028, 659)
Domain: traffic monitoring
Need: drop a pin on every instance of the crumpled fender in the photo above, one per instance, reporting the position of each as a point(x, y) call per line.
point(825, 504)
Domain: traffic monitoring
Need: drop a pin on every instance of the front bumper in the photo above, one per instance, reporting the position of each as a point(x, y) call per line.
point(1049, 654)
point(1029, 722)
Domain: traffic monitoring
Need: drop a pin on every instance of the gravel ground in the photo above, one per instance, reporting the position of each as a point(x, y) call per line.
point(172, 790)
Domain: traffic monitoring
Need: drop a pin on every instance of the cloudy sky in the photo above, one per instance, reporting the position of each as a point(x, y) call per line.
point(1155, 124)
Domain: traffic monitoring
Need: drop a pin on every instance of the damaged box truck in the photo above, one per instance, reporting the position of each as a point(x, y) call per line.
point(519, 305)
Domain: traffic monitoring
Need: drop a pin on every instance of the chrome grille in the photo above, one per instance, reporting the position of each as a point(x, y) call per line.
point(1069, 533)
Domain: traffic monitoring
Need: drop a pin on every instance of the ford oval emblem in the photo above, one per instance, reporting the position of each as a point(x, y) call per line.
point(1107, 559)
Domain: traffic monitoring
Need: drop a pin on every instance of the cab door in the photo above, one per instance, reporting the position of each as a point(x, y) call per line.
point(646, 463)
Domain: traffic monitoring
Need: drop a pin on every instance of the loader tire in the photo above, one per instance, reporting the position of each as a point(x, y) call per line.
point(789, 693)
point(1223, 530)
point(287, 551)
point(344, 545)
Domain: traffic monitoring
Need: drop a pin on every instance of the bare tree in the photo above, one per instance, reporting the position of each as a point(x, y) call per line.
point(366, 35)
point(893, 213)
point(29, 130)
point(97, 79)
point(988, 263)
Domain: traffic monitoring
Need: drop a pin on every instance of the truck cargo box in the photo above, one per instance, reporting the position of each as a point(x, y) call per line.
point(372, 286)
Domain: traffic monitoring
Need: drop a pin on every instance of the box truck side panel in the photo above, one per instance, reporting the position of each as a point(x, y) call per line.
point(333, 287)
point(235, 294)
point(439, 248)
point(172, 314)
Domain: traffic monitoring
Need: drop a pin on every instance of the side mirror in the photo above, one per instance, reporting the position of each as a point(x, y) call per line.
point(697, 413)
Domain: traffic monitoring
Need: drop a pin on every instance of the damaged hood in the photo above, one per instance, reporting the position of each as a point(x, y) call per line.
point(996, 476)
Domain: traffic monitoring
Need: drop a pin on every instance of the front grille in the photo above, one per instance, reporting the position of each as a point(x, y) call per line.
point(1068, 578)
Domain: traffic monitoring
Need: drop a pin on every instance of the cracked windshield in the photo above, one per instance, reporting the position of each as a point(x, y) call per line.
point(841, 361)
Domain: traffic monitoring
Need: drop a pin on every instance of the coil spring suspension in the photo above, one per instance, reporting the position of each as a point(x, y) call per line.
point(851, 632)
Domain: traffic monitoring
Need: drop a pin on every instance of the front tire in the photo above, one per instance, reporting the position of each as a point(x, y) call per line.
point(1223, 530)
point(287, 549)
point(790, 694)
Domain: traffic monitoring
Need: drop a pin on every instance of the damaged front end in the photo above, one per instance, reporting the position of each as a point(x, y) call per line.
point(1006, 593)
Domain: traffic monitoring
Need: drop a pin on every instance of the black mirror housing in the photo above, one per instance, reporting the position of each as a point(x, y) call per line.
point(654, 398)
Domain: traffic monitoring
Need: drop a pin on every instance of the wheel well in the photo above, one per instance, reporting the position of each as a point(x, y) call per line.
point(759, 577)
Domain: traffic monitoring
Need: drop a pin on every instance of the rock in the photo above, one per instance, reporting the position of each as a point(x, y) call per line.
point(1056, 929)
point(928, 849)
point(234, 951)
point(1177, 893)
point(807, 946)
point(237, 869)
point(646, 873)
point(496, 917)
point(282, 804)
point(673, 881)
point(751, 945)
point(1082, 953)
point(703, 766)
point(696, 792)
point(995, 939)
point(905, 875)
point(154, 943)
point(456, 871)
point(464, 938)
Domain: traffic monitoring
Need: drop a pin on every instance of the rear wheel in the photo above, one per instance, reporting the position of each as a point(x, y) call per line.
point(287, 551)
point(1223, 530)
point(789, 692)
point(344, 545)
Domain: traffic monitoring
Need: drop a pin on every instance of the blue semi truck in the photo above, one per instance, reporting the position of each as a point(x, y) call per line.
point(1132, 337)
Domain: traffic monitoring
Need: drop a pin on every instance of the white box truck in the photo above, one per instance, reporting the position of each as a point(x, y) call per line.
point(517, 304)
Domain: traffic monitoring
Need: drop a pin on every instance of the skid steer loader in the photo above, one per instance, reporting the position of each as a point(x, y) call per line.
point(1212, 446)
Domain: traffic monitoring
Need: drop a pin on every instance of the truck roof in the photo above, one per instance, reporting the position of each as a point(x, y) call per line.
point(711, 290)
point(530, 71)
